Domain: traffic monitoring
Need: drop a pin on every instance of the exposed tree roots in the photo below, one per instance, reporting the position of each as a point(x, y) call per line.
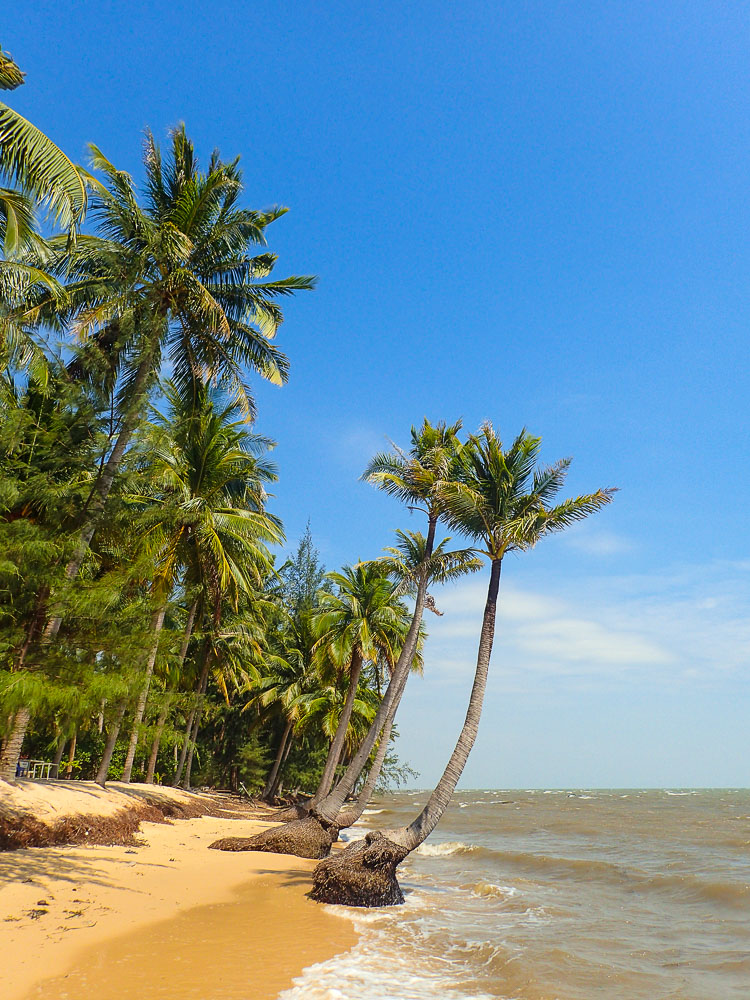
point(289, 813)
point(363, 874)
point(303, 838)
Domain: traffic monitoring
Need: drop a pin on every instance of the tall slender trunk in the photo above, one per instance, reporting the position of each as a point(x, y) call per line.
point(349, 816)
point(189, 728)
point(165, 709)
point(59, 755)
point(274, 773)
point(196, 725)
point(337, 746)
point(276, 787)
point(97, 500)
point(14, 744)
point(157, 622)
point(36, 624)
point(329, 807)
point(417, 832)
point(109, 749)
point(71, 754)
point(160, 723)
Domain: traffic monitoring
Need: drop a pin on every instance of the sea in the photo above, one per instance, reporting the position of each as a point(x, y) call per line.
point(618, 894)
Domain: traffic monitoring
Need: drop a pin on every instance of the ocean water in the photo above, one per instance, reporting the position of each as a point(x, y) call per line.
point(559, 895)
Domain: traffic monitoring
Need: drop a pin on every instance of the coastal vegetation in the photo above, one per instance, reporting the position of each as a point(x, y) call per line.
point(150, 627)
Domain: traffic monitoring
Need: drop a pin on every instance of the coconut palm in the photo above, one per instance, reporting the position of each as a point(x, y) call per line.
point(173, 279)
point(504, 504)
point(206, 493)
point(413, 477)
point(33, 162)
point(404, 563)
point(362, 621)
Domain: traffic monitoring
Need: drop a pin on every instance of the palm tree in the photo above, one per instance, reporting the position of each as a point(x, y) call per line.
point(404, 563)
point(175, 278)
point(206, 489)
point(503, 503)
point(32, 161)
point(362, 621)
point(412, 477)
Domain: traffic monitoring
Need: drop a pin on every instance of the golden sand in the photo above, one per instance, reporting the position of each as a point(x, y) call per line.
point(167, 919)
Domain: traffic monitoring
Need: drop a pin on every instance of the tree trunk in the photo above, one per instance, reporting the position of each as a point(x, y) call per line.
point(348, 817)
point(280, 753)
point(364, 873)
point(189, 728)
point(329, 808)
point(297, 838)
point(58, 755)
point(14, 744)
point(337, 746)
point(71, 754)
point(165, 710)
point(109, 749)
point(160, 723)
point(157, 622)
point(97, 500)
point(193, 738)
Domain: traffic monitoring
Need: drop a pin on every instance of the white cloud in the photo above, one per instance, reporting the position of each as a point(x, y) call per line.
point(686, 626)
point(595, 542)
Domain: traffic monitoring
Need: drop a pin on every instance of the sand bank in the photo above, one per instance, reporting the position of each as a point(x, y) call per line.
point(167, 918)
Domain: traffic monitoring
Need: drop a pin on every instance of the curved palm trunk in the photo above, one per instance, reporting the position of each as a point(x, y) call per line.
point(165, 709)
point(329, 808)
point(109, 749)
point(273, 776)
point(364, 874)
point(337, 746)
point(14, 744)
point(157, 623)
point(313, 835)
point(349, 816)
point(97, 501)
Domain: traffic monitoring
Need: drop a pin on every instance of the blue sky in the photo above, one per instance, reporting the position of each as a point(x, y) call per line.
point(535, 213)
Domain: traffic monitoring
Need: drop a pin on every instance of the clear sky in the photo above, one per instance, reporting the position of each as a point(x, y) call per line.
point(533, 212)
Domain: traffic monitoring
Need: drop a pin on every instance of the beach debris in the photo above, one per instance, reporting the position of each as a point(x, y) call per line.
point(36, 914)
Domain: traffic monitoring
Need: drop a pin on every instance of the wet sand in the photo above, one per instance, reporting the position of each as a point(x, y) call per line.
point(169, 918)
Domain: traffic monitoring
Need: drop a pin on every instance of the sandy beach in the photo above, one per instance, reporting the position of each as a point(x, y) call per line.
point(165, 917)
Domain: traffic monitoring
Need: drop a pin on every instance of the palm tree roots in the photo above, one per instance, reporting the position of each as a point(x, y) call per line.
point(363, 874)
point(302, 838)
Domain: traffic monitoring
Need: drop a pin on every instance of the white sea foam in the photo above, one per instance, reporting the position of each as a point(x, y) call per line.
point(491, 889)
point(445, 850)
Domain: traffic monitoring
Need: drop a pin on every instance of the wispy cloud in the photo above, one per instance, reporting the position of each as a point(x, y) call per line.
point(595, 542)
point(686, 626)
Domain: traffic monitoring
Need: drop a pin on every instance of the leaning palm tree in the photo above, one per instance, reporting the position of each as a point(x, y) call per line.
point(404, 563)
point(363, 620)
point(503, 503)
point(413, 477)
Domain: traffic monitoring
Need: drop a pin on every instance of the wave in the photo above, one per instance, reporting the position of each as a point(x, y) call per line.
point(493, 890)
point(446, 849)
point(688, 887)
